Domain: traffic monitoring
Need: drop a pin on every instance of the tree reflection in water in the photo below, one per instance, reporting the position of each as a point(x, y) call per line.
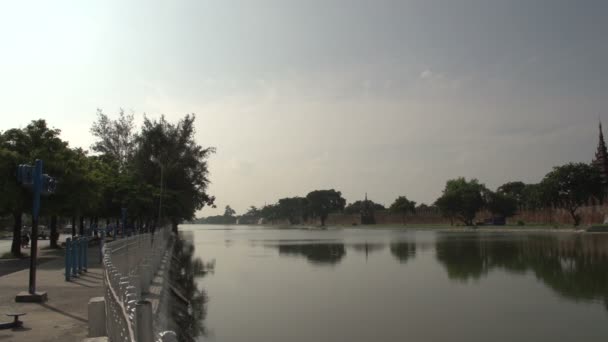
point(403, 251)
point(368, 248)
point(574, 266)
point(317, 253)
point(188, 304)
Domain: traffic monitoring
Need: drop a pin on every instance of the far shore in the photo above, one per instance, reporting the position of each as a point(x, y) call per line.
point(434, 227)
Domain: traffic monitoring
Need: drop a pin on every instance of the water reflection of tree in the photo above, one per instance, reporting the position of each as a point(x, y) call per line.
point(321, 253)
point(573, 266)
point(188, 304)
point(403, 251)
point(368, 248)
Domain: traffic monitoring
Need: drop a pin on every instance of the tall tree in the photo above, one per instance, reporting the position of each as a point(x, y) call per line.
point(501, 204)
point(514, 190)
point(571, 186)
point(270, 213)
point(462, 199)
point(14, 198)
point(168, 153)
point(403, 206)
point(323, 202)
point(116, 138)
point(294, 209)
point(229, 212)
point(24, 146)
point(357, 206)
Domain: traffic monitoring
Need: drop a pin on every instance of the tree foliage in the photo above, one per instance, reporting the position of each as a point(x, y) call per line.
point(501, 204)
point(462, 199)
point(120, 174)
point(229, 212)
point(571, 186)
point(293, 209)
point(115, 138)
point(357, 207)
point(403, 206)
point(323, 202)
point(181, 161)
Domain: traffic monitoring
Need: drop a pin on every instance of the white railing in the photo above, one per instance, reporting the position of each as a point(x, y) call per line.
point(129, 267)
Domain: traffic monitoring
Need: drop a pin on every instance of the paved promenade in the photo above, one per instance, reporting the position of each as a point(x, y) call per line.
point(64, 316)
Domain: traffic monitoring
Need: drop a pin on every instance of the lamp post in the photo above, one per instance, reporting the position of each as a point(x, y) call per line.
point(32, 178)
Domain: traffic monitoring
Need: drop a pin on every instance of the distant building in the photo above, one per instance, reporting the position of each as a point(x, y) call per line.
point(601, 160)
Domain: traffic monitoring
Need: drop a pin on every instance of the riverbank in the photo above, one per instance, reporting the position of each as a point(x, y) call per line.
point(435, 227)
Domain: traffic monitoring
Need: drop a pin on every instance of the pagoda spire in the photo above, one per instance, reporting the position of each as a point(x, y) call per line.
point(602, 143)
point(601, 157)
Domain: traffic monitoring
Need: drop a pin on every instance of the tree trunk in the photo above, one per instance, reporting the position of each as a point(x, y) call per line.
point(323, 217)
point(81, 226)
point(575, 218)
point(73, 226)
point(16, 246)
point(54, 233)
point(174, 226)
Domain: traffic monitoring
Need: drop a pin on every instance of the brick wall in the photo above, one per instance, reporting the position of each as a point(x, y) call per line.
point(592, 214)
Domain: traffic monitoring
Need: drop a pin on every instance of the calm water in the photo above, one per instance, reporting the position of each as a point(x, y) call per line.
point(396, 285)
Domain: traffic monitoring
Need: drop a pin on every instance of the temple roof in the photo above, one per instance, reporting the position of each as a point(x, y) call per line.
point(601, 156)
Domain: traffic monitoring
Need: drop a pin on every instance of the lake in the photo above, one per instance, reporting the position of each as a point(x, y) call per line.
point(382, 284)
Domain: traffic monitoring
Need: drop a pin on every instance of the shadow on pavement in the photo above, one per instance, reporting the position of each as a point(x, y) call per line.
point(67, 314)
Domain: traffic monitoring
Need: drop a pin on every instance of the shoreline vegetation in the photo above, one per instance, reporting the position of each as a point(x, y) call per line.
point(436, 227)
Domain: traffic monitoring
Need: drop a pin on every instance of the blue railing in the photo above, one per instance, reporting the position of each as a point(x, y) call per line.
point(76, 256)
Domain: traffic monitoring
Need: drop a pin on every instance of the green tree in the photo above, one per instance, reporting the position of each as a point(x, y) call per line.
point(403, 206)
point(252, 212)
point(294, 209)
point(323, 202)
point(115, 138)
point(534, 196)
point(169, 150)
point(571, 186)
point(229, 212)
point(270, 212)
point(501, 204)
point(462, 199)
point(24, 146)
point(14, 198)
point(514, 190)
point(357, 206)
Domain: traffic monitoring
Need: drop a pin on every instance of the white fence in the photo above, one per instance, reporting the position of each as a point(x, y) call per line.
point(129, 267)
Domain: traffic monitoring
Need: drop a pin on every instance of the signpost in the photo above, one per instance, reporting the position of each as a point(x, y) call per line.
point(32, 178)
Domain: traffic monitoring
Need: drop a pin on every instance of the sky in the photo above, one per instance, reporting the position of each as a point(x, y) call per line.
point(385, 97)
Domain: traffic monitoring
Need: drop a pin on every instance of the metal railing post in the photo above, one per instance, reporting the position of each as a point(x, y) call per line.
point(101, 243)
point(143, 321)
point(68, 251)
point(74, 260)
point(85, 254)
point(80, 254)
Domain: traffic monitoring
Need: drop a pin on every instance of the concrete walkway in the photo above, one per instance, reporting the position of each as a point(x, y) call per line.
point(64, 316)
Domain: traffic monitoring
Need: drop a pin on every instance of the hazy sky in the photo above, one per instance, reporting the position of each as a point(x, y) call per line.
point(385, 97)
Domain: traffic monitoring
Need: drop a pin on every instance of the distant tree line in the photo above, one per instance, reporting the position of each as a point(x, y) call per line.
point(568, 187)
point(124, 170)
